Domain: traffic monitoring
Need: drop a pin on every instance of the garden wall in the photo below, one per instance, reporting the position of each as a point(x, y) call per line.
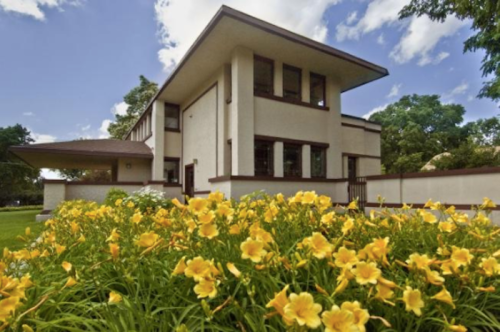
point(461, 188)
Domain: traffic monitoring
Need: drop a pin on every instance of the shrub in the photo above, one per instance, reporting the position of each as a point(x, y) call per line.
point(147, 199)
point(259, 264)
point(113, 195)
point(21, 208)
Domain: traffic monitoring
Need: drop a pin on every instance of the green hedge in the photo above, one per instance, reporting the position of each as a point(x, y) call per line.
point(21, 208)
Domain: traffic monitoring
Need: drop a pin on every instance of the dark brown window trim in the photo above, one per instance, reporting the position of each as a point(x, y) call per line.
point(270, 61)
point(93, 183)
point(299, 146)
point(346, 154)
point(456, 172)
point(324, 162)
point(290, 141)
point(178, 107)
point(171, 159)
point(271, 171)
point(172, 185)
point(28, 148)
point(422, 206)
point(272, 179)
point(178, 161)
point(291, 101)
point(297, 70)
point(323, 78)
point(378, 131)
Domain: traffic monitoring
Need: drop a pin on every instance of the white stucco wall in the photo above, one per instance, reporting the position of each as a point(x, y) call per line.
point(93, 192)
point(172, 144)
point(140, 170)
point(199, 140)
point(53, 194)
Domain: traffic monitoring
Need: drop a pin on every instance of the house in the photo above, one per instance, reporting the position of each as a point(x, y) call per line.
point(251, 106)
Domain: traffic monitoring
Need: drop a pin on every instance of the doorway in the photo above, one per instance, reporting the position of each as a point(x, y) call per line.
point(189, 180)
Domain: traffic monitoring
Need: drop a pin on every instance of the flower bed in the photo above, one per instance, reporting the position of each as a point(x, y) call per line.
point(263, 263)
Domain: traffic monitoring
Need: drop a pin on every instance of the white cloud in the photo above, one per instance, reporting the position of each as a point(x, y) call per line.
point(440, 57)
point(85, 128)
point(181, 21)
point(375, 110)
point(458, 90)
point(120, 108)
point(103, 129)
point(42, 138)
point(421, 38)
point(470, 98)
point(47, 173)
point(28, 113)
point(381, 39)
point(394, 91)
point(378, 14)
point(352, 17)
point(33, 8)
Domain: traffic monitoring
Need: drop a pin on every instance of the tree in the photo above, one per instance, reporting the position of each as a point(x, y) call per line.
point(415, 129)
point(485, 18)
point(20, 182)
point(468, 155)
point(137, 99)
point(88, 175)
point(485, 131)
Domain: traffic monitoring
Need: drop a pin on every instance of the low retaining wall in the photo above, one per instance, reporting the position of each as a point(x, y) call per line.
point(57, 191)
point(461, 188)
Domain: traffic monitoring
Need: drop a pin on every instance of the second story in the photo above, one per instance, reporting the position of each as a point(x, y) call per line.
point(245, 82)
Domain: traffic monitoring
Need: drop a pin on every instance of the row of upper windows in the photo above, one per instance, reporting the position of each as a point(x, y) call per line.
point(143, 129)
point(292, 82)
point(292, 160)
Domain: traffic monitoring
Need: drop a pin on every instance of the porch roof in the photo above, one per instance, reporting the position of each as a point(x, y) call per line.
point(82, 154)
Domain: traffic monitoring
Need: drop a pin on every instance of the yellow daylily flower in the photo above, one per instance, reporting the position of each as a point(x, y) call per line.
point(208, 230)
point(461, 256)
point(303, 310)
point(232, 268)
point(114, 297)
point(366, 273)
point(181, 266)
point(345, 257)
point(253, 250)
point(413, 300)
point(114, 250)
point(338, 320)
point(205, 288)
point(444, 296)
point(319, 245)
point(147, 239)
point(361, 316)
point(67, 266)
point(197, 268)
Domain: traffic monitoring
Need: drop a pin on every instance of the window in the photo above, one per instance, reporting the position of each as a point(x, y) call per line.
point(171, 170)
point(292, 81)
point(318, 162)
point(264, 162)
point(318, 90)
point(172, 117)
point(263, 71)
point(292, 160)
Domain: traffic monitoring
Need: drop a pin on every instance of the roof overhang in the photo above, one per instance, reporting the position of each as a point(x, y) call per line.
point(84, 154)
point(230, 28)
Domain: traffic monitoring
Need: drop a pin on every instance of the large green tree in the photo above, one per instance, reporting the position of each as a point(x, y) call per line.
point(137, 99)
point(415, 129)
point(19, 182)
point(468, 155)
point(485, 18)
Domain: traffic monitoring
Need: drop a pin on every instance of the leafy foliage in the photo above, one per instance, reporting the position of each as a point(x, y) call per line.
point(137, 99)
point(260, 264)
point(468, 155)
point(19, 181)
point(88, 175)
point(113, 195)
point(485, 18)
point(415, 129)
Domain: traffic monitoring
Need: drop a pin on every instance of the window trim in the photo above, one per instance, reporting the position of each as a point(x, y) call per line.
point(176, 160)
point(271, 171)
point(178, 129)
point(268, 60)
point(299, 146)
point(297, 70)
point(323, 78)
point(324, 161)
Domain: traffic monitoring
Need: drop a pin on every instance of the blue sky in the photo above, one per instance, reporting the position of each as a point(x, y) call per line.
point(66, 64)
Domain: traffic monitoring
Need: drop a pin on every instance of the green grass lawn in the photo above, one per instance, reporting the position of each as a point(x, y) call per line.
point(13, 224)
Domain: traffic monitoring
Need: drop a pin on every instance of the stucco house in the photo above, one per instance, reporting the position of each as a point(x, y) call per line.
point(251, 106)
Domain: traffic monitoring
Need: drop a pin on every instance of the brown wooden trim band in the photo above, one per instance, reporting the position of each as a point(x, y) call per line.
point(200, 96)
point(456, 172)
point(272, 179)
point(155, 182)
point(347, 154)
point(147, 137)
point(203, 192)
point(421, 206)
point(173, 130)
point(290, 101)
point(290, 141)
point(359, 119)
point(79, 152)
point(45, 181)
point(172, 185)
point(93, 183)
point(344, 124)
point(171, 159)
